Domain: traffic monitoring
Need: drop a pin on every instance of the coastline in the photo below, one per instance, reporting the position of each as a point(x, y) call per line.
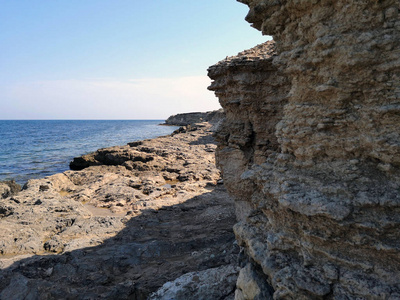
point(35, 149)
point(134, 216)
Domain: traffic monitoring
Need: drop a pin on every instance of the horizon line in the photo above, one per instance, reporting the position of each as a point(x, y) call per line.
point(83, 119)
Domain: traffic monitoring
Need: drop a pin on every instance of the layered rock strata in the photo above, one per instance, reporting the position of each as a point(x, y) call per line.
point(310, 150)
point(134, 218)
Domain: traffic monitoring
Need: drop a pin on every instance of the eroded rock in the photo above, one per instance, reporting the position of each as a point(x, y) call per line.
point(9, 188)
point(310, 149)
point(217, 283)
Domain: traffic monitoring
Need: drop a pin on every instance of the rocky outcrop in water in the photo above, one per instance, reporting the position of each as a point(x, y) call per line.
point(310, 149)
point(132, 219)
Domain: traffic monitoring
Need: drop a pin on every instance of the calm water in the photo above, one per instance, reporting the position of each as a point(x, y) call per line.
point(34, 149)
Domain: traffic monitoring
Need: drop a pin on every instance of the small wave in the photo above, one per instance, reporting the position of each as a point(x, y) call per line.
point(6, 173)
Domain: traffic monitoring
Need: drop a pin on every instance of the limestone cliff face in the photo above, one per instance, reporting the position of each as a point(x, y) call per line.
point(310, 148)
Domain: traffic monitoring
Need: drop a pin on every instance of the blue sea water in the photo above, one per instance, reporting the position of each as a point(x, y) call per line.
point(37, 148)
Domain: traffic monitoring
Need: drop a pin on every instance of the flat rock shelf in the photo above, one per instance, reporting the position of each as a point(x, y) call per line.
point(128, 220)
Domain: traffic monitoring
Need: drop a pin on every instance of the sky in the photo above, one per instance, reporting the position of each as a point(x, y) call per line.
point(119, 59)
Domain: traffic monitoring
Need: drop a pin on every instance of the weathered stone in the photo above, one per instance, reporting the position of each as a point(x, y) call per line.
point(121, 227)
point(9, 188)
point(217, 283)
point(310, 148)
point(251, 285)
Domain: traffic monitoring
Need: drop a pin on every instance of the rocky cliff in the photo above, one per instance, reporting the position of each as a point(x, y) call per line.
point(213, 117)
point(310, 149)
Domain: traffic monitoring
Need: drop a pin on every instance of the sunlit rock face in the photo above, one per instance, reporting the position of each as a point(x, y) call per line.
point(310, 148)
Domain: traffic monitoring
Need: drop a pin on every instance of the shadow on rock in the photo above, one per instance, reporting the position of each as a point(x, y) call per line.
point(155, 247)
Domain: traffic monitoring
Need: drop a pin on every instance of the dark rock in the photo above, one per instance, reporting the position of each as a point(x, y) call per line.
point(9, 188)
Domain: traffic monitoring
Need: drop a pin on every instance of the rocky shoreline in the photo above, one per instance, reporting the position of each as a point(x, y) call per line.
point(127, 220)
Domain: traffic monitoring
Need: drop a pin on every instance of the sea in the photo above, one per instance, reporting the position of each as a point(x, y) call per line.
point(32, 149)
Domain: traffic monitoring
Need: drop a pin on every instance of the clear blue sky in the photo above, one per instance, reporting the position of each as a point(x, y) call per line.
point(120, 59)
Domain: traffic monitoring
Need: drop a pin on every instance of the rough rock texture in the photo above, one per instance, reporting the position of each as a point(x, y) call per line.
point(9, 188)
point(310, 149)
point(184, 119)
point(138, 216)
point(216, 283)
